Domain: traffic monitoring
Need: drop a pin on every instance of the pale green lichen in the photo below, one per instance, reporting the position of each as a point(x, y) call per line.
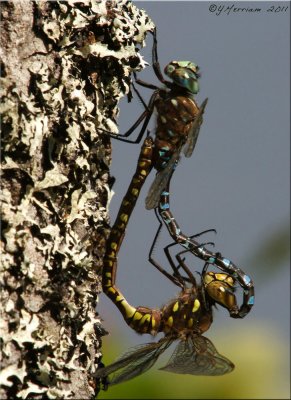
point(55, 153)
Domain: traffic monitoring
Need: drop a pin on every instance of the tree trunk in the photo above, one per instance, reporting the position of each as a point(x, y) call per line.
point(65, 65)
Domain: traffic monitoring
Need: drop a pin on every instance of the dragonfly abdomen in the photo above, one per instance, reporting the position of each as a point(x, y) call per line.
point(141, 319)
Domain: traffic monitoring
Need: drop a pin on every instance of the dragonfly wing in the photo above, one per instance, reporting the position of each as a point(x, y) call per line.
point(194, 133)
point(134, 362)
point(198, 356)
point(160, 182)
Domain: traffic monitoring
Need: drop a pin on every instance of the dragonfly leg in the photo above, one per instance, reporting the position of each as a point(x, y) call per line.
point(146, 115)
point(203, 232)
point(205, 244)
point(190, 277)
point(144, 84)
point(140, 97)
point(155, 60)
point(176, 279)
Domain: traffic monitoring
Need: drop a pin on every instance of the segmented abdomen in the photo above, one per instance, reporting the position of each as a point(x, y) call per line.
point(141, 319)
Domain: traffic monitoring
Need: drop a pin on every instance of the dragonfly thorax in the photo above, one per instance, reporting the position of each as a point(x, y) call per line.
point(187, 314)
point(175, 117)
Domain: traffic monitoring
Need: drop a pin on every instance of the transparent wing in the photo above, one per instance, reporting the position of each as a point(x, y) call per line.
point(134, 362)
point(193, 135)
point(198, 356)
point(160, 182)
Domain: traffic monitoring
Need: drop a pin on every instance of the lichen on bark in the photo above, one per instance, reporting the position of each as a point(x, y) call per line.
point(64, 68)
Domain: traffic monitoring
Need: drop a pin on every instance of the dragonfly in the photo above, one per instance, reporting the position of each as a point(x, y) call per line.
point(184, 318)
point(178, 121)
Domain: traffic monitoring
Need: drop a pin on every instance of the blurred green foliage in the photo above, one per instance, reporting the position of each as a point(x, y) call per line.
point(262, 371)
point(272, 250)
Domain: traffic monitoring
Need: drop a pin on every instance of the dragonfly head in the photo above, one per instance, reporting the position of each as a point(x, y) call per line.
point(184, 74)
point(220, 288)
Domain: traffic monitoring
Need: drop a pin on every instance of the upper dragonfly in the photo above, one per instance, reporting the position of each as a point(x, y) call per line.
point(179, 119)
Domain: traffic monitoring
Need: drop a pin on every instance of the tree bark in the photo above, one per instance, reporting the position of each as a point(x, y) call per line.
point(64, 67)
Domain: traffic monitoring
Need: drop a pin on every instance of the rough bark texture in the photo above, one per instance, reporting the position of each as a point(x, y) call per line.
point(65, 65)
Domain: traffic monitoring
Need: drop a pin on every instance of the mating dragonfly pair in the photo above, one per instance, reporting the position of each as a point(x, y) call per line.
point(188, 316)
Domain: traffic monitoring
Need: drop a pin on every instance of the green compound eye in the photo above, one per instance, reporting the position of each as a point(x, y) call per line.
point(184, 74)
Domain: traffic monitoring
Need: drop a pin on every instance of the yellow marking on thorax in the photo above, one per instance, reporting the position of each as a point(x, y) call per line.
point(143, 172)
point(190, 322)
point(170, 321)
point(153, 322)
point(174, 102)
point(196, 305)
point(176, 306)
point(108, 274)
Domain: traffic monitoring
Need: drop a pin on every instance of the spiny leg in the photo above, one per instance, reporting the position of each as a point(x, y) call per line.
point(181, 262)
point(176, 274)
point(145, 84)
point(176, 278)
point(155, 60)
point(146, 116)
point(140, 96)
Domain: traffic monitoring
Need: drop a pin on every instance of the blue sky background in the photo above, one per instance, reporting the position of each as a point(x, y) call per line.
point(238, 178)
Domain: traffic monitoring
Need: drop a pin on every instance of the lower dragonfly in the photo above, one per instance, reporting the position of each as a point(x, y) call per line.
point(185, 318)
